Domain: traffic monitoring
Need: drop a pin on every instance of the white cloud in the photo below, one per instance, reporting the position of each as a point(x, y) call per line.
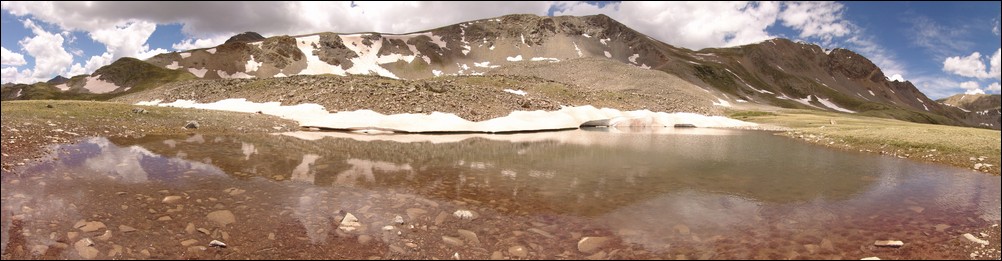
point(897, 77)
point(47, 48)
point(971, 88)
point(822, 20)
point(940, 41)
point(995, 29)
point(12, 75)
point(972, 66)
point(189, 44)
point(127, 39)
point(994, 87)
point(693, 25)
point(94, 63)
point(11, 58)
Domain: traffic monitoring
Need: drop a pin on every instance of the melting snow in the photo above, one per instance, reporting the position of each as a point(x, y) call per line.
point(485, 65)
point(368, 56)
point(237, 75)
point(518, 92)
point(578, 50)
point(185, 55)
point(523, 38)
point(604, 41)
point(834, 106)
point(746, 83)
point(198, 72)
point(63, 87)
point(586, 35)
point(18, 93)
point(608, 55)
point(173, 66)
point(926, 107)
point(633, 58)
point(565, 118)
point(436, 73)
point(722, 103)
point(780, 68)
point(872, 94)
point(539, 59)
point(515, 59)
point(98, 86)
point(212, 51)
point(252, 66)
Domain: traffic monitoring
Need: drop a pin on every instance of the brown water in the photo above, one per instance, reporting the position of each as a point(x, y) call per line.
point(661, 194)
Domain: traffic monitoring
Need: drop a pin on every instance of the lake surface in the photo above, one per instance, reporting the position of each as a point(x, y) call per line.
point(635, 194)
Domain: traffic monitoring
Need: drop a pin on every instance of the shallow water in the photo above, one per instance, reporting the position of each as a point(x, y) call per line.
point(661, 193)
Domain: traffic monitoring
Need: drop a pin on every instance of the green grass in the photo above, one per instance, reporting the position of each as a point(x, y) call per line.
point(941, 143)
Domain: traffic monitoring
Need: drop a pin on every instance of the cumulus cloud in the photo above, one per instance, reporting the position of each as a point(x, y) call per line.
point(971, 88)
point(994, 87)
point(47, 48)
point(821, 20)
point(972, 66)
point(897, 77)
point(11, 58)
point(127, 39)
point(693, 25)
point(189, 44)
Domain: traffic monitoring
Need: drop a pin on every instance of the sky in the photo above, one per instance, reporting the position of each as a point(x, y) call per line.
point(944, 48)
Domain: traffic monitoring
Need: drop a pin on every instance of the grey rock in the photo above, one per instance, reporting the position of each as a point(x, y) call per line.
point(171, 199)
point(976, 240)
point(87, 227)
point(398, 220)
point(85, 248)
point(191, 125)
point(349, 223)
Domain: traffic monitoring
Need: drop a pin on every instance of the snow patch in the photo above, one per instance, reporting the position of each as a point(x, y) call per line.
point(515, 59)
point(540, 59)
point(578, 50)
point(252, 65)
point(523, 38)
point(198, 72)
point(608, 55)
point(63, 87)
point(173, 66)
point(516, 92)
point(485, 65)
point(237, 75)
point(722, 103)
point(604, 41)
point(18, 94)
point(633, 58)
point(98, 86)
point(185, 55)
point(586, 35)
point(872, 94)
point(211, 51)
point(565, 118)
point(833, 106)
point(367, 61)
point(437, 73)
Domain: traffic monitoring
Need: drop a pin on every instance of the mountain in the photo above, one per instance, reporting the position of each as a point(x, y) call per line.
point(585, 54)
point(126, 75)
point(59, 79)
point(245, 38)
point(981, 108)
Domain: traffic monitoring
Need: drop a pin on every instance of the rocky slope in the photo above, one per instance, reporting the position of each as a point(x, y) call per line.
point(981, 108)
point(776, 72)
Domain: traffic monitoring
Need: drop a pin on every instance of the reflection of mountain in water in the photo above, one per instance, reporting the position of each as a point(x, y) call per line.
point(590, 177)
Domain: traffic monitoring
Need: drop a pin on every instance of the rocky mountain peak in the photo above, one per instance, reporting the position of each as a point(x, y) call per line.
point(246, 37)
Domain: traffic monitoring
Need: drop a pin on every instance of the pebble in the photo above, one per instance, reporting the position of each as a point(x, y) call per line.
point(171, 199)
point(189, 242)
point(190, 228)
point(976, 240)
point(126, 229)
point(469, 236)
point(465, 214)
point(888, 243)
point(518, 251)
point(452, 241)
point(349, 223)
point(591, 245)
point(398, 220)
point(90, 226)
point(203, 231)
point(217, 243)
point(165, 218)
point(415, 213)
point(221, 217)
point(541, 232)
point(364, 239)
point(497, 255)
point(105, 237)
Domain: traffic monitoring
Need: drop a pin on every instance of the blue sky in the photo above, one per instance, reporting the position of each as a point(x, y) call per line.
point(944, 48)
